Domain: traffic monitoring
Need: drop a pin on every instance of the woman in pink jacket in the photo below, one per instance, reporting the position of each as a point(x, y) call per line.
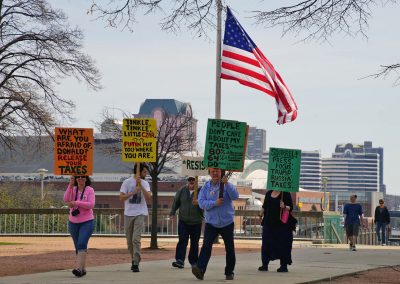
point(80, 198)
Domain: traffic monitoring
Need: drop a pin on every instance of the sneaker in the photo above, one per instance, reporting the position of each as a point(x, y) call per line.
point(282, 269)
point(384, 244)
point(77, 272)
point(135, 268)
point(177, 264)
point(198, 272)
point(263, 268)
point(229, 277)
point(354, 248)
point(83, 272)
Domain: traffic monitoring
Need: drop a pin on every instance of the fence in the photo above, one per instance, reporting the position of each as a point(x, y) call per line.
point(110, 222)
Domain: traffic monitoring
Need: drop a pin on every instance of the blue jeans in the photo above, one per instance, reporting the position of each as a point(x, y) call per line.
point(80, 233)
point(379, 227)
point(185, 231)
point(210, 233)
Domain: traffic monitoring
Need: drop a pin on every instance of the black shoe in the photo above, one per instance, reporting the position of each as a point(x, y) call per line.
point(77, 272)
point(83, 272)
point(263, 268)
point(282, 269)
point(229, 277)
point(177, 264)
point(198, 272)
point(135, 268)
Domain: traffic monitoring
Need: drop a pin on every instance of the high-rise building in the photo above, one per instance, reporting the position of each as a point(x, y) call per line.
point(352, 170)
point(310, 170)
point(256, 143)
point(172, 115)
point(365, 148)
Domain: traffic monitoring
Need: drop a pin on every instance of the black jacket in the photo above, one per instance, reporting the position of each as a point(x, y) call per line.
point(272, 210)
point(383, 217)
point(188, 213)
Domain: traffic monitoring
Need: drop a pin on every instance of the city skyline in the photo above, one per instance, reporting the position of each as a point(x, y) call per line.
point(335, 105)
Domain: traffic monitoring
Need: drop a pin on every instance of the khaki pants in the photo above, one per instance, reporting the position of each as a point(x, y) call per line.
point(133, 231)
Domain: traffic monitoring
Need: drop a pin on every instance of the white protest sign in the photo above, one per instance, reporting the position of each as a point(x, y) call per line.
point(193, 166)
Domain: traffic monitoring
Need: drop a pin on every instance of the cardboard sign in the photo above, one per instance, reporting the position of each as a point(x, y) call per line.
point(193, 166)
point(139, 142)
point(73, 151)
point(226, 142)
point(284, 169)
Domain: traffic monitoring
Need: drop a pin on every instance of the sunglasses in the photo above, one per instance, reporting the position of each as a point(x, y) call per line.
point(80, 177)
point(380, 202)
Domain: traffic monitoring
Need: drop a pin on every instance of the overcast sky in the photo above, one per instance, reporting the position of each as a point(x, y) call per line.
point(335, 105)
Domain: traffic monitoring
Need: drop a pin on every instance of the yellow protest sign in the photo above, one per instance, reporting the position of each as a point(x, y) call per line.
point(73, 151)
point(139, 140)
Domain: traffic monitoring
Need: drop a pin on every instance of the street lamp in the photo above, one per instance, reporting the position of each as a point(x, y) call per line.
point(42, 172)
point(324, 184)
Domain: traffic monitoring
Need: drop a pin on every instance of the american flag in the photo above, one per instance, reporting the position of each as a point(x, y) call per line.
point(244, 62)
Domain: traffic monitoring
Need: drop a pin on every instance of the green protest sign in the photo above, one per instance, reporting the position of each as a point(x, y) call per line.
point(284, 169)
point(226, 142)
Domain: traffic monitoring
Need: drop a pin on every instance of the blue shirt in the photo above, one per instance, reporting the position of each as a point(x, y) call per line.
point(217, 216)
point(353, 212)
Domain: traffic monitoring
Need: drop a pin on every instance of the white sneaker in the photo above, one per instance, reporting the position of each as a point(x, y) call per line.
point(383, 244)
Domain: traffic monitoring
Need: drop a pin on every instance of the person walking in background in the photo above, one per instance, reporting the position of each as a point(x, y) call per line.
point(219, 218)
point(277, 237)
point(353, 218)
point(190, 220)
point(135, 210)
point(382, 219)
point(80, 198)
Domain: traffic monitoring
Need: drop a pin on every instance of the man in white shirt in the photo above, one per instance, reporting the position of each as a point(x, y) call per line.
point(135, 198)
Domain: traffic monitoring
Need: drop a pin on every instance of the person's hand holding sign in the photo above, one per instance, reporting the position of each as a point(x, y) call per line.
point(219, 201)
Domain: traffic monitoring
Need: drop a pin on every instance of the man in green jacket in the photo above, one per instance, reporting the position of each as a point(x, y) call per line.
point(190, 220)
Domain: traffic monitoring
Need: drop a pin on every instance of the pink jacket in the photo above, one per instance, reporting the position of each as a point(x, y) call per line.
point(85, 205)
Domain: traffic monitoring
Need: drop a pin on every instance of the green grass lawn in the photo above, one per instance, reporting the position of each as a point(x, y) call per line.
point(8, 244)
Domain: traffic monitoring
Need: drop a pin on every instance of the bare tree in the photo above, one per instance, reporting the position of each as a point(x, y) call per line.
point(197, 15)
point(320, 19)
point(175, 135)
point(37, 49)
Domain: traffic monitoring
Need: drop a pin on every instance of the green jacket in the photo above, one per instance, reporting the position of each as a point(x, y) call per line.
point(188, 213)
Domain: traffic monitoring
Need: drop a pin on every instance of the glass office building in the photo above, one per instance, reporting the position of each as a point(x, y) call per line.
point(352, 172)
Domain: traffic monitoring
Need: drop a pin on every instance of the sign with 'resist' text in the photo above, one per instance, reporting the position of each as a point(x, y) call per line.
point(139, 142)
point(193, 166)
point(284, 169)
point(73, 151)
point(226, 142)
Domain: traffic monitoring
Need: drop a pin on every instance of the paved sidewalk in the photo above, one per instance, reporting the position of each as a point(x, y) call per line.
point(310, 264)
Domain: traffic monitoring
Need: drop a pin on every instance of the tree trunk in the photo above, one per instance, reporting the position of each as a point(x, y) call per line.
point(154, 210)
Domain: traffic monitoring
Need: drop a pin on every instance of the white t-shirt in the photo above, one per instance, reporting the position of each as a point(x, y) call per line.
point(135, 205)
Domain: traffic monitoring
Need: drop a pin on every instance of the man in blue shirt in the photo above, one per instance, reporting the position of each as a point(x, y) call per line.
point(219, 218)
point(353, 219)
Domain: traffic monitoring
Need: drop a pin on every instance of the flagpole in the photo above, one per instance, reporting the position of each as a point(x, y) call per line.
point(218, 62)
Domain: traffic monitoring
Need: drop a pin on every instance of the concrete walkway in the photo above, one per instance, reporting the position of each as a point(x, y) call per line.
point(310, 264)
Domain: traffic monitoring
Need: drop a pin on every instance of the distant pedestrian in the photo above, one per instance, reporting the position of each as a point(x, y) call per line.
point(135, 198)
point(80, 198)
point(277, 237)
point(353, 219)
point(219, 218)
point(382, 219)
point(189, 226)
